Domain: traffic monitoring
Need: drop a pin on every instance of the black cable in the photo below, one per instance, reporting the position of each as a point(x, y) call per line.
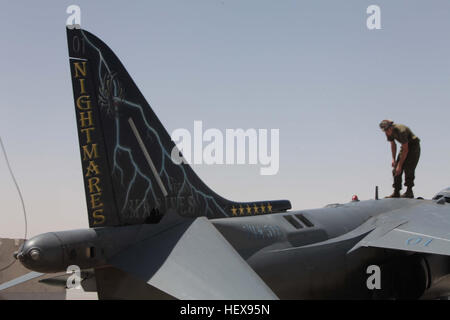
point(21, 200)
point(7, 266)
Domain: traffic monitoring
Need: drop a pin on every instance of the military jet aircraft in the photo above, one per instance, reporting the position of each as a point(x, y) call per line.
point(157, 231)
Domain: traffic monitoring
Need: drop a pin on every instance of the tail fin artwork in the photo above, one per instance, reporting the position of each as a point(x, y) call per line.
point(128, 171)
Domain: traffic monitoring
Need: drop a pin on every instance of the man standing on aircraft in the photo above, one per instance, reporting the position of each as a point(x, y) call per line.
point(407, 158)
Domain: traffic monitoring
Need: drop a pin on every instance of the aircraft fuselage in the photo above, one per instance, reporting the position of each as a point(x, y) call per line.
point(299, 254)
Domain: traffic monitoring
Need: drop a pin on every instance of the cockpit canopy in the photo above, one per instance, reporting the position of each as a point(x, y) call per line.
point(445, 193)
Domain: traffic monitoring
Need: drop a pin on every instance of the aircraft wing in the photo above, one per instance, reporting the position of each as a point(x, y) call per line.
point(14, 282)
point(192, 260)
point(424, 227)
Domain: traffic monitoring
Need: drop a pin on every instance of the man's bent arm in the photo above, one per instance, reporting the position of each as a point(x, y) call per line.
point(394, 150)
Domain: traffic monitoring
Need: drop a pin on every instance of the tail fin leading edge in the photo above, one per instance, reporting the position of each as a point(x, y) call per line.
point(128, 172)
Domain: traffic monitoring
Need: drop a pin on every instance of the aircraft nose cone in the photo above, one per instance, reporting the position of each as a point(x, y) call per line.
point(42, 253)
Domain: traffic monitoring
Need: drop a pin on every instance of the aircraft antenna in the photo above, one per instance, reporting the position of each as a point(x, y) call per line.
point(21, 198)
point(376, 192)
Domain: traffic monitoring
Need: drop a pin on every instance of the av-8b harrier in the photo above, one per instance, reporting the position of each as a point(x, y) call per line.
point(158, 231)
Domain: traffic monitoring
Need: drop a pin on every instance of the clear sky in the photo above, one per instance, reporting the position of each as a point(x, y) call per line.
point(311, 69)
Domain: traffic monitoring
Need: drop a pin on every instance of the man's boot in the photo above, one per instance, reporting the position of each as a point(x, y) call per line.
point(408, 194)
point(395, 194)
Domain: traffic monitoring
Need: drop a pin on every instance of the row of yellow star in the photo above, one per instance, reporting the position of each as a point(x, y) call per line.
point(248, 209)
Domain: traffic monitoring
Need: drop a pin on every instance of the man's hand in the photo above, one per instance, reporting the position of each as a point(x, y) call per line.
point(398, 171)
point(393, 163)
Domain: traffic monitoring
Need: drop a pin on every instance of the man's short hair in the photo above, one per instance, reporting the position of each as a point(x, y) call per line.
point(386, 124)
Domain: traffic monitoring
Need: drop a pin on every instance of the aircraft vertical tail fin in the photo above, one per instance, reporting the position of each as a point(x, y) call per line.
point(128, 171)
